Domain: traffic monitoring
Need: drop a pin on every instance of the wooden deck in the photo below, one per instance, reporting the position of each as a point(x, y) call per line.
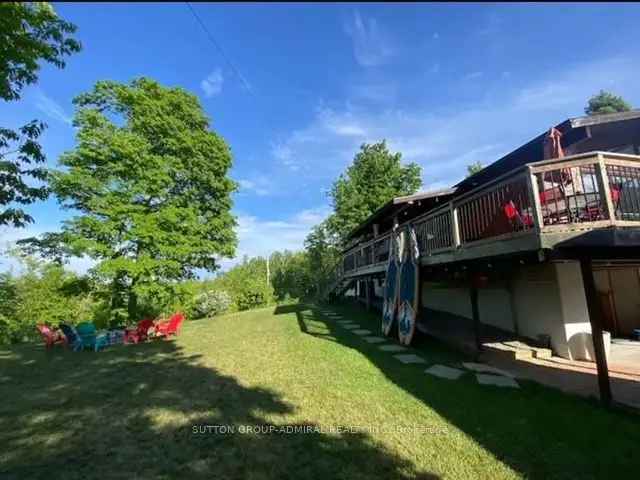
point(533, 208)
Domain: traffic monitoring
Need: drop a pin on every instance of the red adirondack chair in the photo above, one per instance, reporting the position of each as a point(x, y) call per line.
point(171, 326)
point(51, 337)
point(140, 333)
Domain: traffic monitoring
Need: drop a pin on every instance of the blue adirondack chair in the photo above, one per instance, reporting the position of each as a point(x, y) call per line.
point(90, 336)
point(73, 339)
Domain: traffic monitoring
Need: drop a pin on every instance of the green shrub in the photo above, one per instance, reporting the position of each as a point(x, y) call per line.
point(212, 302)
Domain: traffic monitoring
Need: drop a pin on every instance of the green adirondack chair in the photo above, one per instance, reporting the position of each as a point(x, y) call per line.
point(90, 337)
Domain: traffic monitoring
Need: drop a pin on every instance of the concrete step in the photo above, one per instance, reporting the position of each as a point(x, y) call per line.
point(536, 352)
point(516, 350)
point(508, 351)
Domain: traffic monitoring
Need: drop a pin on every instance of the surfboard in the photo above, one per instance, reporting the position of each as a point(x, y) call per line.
point(391, 286)
point(408, 288)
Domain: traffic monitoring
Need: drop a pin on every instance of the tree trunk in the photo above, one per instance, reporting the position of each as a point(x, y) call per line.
point(132, 303)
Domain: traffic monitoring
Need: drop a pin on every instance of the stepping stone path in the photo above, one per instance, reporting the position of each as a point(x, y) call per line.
point(392, 348)
point(373, 339)
point(482, 368)
point(443, 371)
point(498, 381)
point(409, 358)
point(351, 327)
point(362, 332)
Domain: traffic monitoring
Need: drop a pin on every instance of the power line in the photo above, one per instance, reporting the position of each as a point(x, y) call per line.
point(213, 40)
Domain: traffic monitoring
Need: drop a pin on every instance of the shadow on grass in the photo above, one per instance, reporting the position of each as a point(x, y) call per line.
point(537, 431)
point(148, 411)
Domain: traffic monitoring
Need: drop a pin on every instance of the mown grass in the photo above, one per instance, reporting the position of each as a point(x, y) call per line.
point(130, 412)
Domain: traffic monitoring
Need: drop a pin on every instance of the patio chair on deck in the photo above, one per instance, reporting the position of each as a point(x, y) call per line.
point(517, 220)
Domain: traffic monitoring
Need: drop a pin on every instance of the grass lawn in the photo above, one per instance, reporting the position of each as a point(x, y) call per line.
point(130, 411)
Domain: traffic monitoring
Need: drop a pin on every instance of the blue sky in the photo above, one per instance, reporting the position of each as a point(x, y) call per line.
point(445, 84)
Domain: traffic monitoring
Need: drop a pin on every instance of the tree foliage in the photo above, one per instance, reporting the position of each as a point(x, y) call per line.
point(21, 160)
point(291, 275)
point(43, 293)
point(375, 177)
point(606, 102)
point(247, 284)
point(30, 32)
point(474, 168)
point(322, 255)
point(149, 180)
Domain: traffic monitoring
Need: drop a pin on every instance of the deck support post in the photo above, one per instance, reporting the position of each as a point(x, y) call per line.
point(475, 311)
point(455, 226)
point(512, 303)
point(367, 292)
point(595, 317)
point(605, 191)
point(534, 199)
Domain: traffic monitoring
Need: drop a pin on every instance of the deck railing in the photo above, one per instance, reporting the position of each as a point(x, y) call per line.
point(592, 190)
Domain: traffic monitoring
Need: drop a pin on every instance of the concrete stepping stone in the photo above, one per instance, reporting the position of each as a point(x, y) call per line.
point(409, 358)
point(483, 368)
point(373, 339)
point(496, 380)
point(362, 331)
point(351, 327)
point(443, 371)
point(392, 348)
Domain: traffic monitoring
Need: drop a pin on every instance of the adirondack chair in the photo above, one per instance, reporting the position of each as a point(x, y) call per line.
point(171, 326)
point(51, 337)
point(73, 339)
point(140, 333)
point(90, 337)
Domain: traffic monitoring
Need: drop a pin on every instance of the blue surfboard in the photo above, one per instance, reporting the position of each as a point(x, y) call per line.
point(408, 289)
point(391, 287)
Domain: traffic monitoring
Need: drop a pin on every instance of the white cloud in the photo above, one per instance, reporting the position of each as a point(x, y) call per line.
point(375, 92)
point(10, 235)
point(212, 85)
point(445, 141)
point(372, 46)
point(260, 186)
point(260, 237)
point(474, 75)
point(51, 108)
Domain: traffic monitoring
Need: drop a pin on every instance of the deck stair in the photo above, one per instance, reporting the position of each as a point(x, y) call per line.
point(517, 350)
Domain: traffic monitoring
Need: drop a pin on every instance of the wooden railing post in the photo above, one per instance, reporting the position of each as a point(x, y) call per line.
point(534, 199)
point(455, 228)
point(603, 188)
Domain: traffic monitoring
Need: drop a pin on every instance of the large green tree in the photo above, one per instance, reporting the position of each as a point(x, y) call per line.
point(30, 33)
point(149, 181)
point(375, 177)
point(323, 255)
point(606, 102)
